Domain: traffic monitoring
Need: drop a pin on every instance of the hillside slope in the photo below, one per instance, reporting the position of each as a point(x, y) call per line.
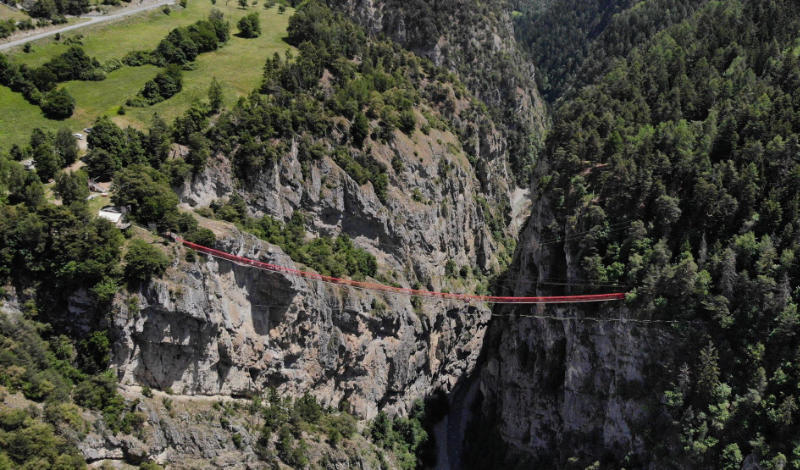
point(673, 174)
point(475, 40)
point(353, 157)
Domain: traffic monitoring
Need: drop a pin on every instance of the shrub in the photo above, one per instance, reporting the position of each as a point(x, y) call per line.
point(407, 122)
point(7, 28)
point(359, 129)
point(202, 236)
point(308, 409)
point(74, 64)
point(150, 466)
point(166, 83)
point(249, 26)
point(147, 193)
point(143, 261)
point(182, 45)
point(58, 104)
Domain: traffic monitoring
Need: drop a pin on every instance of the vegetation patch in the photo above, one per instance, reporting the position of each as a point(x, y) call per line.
point(237, 67)
point(38, 85)
point(329, 256)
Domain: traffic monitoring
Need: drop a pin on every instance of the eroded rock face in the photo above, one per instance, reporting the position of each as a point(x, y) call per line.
point(562, 389)
point(213, 327)
point(210, 327)
point(559, 389)
point(469, 37)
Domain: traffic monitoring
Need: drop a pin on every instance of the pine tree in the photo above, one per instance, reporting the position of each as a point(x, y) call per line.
point(215, 95)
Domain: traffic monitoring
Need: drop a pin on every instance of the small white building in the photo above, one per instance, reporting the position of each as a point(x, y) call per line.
point(28, 164)
point(115, 215)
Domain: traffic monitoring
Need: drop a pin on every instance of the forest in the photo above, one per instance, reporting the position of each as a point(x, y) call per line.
point(573, 42)
point(48, 252)
point(681, 165)
point(671, 168)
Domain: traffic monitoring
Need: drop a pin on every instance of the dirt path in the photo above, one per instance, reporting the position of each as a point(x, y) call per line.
point(136, 390)
point(91, 20)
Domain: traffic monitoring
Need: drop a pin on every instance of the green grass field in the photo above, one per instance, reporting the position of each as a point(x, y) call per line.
point(8, 13)
point(237, 65)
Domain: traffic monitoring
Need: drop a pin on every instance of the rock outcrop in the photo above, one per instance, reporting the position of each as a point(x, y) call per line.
point(474, 39)
point(567, 392)
point(213, 327)
point(210, 327)
point(208, 432)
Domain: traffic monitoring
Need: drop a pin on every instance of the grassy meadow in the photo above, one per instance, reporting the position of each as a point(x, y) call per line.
point(237, 65)
point(8, 13)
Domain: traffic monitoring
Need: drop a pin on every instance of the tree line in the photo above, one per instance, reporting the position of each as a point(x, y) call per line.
point(679, 168)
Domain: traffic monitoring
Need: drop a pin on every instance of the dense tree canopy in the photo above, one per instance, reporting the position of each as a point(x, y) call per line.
point(572, 41)
point(143, 261)
point(679, 169)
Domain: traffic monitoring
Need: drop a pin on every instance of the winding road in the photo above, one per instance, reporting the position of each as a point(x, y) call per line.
point(92, 20)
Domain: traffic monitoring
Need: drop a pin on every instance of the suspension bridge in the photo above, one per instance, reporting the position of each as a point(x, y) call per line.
point(372, 286)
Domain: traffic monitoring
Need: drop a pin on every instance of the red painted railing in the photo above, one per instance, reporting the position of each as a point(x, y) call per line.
point(566, 299)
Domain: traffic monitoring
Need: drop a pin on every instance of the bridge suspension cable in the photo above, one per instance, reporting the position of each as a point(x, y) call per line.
point(566, 299)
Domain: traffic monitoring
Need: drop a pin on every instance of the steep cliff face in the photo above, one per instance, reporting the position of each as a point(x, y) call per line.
point(445, 222)
point(215, 328)
point(576, 391)
point(560, 393)
point(476, 40)
point(442, 223)
point(611, 209)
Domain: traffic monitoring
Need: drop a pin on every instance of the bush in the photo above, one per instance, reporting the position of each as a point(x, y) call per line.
point(359, 129)
point(407, 122)
point(7, 28)
point(58, 104)
point(249, 26)
point(202, 236)
point(148, 194)
point(137, 58)
point(143, 261)
point(182, 45)
point(150, 466)
point(308, 409)
point(74, 64)
point(165, 84)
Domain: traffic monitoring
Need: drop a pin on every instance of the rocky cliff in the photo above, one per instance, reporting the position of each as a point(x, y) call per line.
point(476, 40)
point(566, 394)
point(215, 328)
point(442, 223)
point(446, 222)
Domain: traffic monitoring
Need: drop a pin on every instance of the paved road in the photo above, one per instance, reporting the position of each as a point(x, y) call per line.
point(92, 20)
